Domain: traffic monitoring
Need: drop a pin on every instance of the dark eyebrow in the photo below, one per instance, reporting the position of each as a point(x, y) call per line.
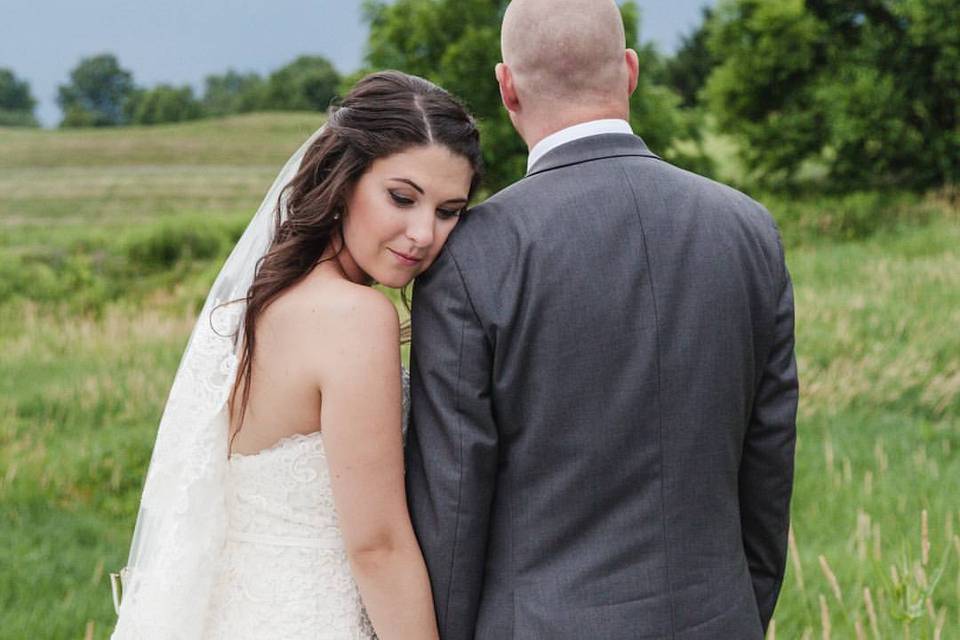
point(411, 183)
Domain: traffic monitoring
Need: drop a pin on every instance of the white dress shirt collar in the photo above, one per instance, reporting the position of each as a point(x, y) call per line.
point(577, 131)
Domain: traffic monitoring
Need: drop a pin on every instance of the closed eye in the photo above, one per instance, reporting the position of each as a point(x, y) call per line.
point(446, 214)
point(401, 200)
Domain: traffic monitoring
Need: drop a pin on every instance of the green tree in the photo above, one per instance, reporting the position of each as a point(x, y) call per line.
point(309, 83)
point(866, 88)
point(97, 93)
point(762, 92)
point(164, 103)
point(233, 92)
point(456, 44)
point(687, 71)
point(16, 101)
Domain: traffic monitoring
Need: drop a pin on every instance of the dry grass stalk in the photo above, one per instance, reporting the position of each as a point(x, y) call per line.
point(88, 633)
point(831, 578)
point(881, 455)
point(825, 618)
point(772, 630)
point(97, 573)
point(920, 576)
point(871, 613)
point(828, 455)
point(877, 546)
point(863, 534)
point(941, 621)
point(858, 628)
point(868, 483)
point(920, 458)
point(795, 560)
point(924, 538)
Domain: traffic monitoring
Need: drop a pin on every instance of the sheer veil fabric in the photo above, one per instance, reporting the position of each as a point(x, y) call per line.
point(181, 526)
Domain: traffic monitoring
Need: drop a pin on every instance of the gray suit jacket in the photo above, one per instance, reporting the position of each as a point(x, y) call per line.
point(604, 403)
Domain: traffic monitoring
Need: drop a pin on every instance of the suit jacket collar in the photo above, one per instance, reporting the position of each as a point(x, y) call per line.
point(605, 145)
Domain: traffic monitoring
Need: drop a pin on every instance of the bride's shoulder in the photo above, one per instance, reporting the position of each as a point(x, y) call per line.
point(334, 309)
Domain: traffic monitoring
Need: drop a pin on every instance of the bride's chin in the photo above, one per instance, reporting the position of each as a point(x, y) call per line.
point(396, 282)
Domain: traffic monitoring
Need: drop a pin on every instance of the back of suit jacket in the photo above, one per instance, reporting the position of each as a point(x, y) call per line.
point(604, 401)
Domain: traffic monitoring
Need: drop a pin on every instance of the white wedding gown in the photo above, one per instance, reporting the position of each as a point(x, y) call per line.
point(285, 573)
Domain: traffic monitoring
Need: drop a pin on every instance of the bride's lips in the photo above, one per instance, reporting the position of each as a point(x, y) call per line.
point(406, 260)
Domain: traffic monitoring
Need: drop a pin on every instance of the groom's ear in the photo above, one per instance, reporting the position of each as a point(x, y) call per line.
point(508, 93)
point(632, 61)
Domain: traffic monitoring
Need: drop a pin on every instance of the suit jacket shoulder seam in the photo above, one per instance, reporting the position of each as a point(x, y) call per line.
point(466, 293)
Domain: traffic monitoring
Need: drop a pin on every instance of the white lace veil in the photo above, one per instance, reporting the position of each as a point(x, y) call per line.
point(181, 526)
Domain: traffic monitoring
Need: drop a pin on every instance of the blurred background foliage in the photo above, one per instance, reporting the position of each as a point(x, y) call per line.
point(869, 90)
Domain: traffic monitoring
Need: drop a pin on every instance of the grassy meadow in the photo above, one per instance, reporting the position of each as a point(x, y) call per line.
point(110, 238)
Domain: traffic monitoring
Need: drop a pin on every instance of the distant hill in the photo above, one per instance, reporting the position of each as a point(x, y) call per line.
point(249, 139)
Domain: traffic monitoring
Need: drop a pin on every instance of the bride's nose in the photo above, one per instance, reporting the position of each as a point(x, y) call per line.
point(420, 228)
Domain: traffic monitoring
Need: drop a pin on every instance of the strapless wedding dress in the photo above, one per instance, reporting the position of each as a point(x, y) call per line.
point(285, 573)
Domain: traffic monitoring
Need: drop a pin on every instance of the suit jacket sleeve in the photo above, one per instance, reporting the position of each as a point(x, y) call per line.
point(766, 468)
point(451, 451)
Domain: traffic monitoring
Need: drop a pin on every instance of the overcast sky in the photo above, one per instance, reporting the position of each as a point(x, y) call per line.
point(182, 41)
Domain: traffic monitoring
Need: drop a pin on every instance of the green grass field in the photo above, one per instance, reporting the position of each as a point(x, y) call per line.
point(111, 238)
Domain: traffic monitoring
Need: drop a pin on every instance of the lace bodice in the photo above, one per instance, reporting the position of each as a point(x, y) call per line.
point(285, 570)
point(284, 492)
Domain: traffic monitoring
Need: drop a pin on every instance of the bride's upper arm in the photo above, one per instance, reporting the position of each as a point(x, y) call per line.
point(360, 419)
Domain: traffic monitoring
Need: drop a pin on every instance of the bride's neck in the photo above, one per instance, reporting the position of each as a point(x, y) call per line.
point(342, 262)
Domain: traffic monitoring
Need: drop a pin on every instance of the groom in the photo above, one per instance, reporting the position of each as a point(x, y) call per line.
point(604, 383)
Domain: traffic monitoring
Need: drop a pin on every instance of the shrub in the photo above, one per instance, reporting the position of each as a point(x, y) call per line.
point(162, 246)
point(852, 216)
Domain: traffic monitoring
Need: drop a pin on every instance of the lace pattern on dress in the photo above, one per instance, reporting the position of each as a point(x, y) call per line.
point(286, 572)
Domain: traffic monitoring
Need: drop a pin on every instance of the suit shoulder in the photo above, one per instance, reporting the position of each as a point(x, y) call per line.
point(478, 226)
point(722, 194)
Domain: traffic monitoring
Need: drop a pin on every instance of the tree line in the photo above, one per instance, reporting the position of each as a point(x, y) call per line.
point(863, 93)
point(101, 93)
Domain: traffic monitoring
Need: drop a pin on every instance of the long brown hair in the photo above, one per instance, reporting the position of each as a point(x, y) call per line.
point(385, 113)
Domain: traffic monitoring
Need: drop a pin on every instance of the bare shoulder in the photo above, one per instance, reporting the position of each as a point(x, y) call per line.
point(336, 326)
point(346, 309)
point(335, 308)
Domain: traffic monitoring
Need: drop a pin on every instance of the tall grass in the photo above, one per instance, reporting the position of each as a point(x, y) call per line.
point(874, 517)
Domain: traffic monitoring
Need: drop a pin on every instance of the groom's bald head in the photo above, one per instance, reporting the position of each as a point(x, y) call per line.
point(570, 50)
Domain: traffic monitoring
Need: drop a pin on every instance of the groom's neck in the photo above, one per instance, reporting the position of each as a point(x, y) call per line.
point(539, 125)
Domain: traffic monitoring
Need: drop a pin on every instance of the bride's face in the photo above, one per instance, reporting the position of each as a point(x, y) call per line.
point(400, 213)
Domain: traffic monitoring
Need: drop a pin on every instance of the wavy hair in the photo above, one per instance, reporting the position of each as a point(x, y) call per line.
point(383, 114)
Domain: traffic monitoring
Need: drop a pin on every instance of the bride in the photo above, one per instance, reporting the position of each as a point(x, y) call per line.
point(274, 505)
